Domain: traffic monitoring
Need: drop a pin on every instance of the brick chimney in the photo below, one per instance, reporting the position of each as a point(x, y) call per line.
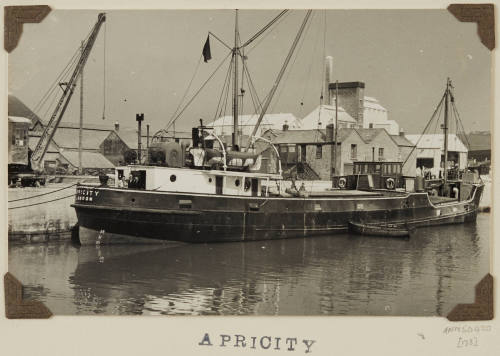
point(285, 126)
point(351, 99)
point(117, 126)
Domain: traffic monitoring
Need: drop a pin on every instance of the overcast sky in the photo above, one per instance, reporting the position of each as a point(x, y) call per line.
point(403, 56)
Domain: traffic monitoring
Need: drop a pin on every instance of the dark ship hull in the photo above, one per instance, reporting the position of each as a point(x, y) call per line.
point(115, 215)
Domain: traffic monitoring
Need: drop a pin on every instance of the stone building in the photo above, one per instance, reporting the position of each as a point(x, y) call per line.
point(310, 151)
point(303, 153)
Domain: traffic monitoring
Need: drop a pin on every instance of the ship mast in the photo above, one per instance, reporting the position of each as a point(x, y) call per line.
point(235, 84)
point(445, 130)
point(278, 79)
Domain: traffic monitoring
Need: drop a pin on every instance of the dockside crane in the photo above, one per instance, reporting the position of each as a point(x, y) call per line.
point(68, 89)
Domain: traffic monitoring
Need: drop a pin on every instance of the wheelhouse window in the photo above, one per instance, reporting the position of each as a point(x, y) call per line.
point(137, 179)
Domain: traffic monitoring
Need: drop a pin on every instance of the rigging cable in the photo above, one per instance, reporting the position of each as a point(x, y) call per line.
point(252, 87)
point(54, 85)
point(434, 138)
point(198, 91)
point(264, 28)
point(322, 98)
point(267, 33)
point(226, 96)
point(223, 90)
point(295, 56)
point(323, 68)
point(311, 61)
point(43, 202)
point(253, 93)
point(61, 74)
point(280, 75)
point(104, 74)
point(39, 195)
point(188, 87)
point(321, 81)
point(425, 129)
point(457, 116)
point(436, 125)
point(52, 93)
point(242, 90)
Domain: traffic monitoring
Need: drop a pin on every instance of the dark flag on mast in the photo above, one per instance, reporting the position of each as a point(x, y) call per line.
point(206, 50)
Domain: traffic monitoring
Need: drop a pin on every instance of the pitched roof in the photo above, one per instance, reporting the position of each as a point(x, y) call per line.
point(129, 136)
point(344, 133)
point(89, 159)
point(477, 141)
point(17, 108)
point(66, 137)
point(19, 120)
point(274, 120)
point(372, 103)
point(297, 136)
point(86, 126)
point(308, 136)
point(402, 141)
point(33, 141)
point(369, 134)
point(326, 115)
point(436, 141)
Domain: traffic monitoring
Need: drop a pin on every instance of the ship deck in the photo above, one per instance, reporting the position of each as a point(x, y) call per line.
point(436, 200)
point(344, 193)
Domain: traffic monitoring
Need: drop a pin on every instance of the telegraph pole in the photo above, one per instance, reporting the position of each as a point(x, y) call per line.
point(336, 125)
point(139, 118)
point(445, 129)
point(80, 131)
point(235, 84)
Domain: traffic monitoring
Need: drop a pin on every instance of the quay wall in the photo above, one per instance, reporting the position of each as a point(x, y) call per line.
point(487, 198)
point(38, 218)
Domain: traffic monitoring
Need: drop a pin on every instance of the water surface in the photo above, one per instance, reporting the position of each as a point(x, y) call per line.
point(428, 274)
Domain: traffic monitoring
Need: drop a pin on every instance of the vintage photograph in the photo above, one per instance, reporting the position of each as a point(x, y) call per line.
point(249, 162)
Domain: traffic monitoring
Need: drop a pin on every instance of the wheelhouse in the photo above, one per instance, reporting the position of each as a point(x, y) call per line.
point(373, 175)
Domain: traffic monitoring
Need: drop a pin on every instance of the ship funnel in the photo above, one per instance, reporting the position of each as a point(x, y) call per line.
point(328, 80)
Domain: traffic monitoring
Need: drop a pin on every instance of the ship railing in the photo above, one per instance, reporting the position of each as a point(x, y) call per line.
point(224, 155)
point(256, 138)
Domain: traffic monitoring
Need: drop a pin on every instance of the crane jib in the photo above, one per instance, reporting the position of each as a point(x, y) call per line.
point(62, 104)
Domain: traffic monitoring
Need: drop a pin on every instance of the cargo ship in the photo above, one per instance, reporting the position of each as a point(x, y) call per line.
point(207, 193)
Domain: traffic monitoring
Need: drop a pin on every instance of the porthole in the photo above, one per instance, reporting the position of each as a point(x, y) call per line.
point(237, 182)
point(173, 178)
point(209, 180)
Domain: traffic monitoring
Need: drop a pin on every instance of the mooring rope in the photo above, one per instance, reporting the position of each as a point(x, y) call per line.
point(39, 195)
point(43, 202)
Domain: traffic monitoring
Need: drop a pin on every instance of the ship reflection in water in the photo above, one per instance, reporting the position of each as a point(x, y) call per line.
point(339, 275)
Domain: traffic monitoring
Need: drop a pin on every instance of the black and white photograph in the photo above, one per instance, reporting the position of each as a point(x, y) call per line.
point(250, 162)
